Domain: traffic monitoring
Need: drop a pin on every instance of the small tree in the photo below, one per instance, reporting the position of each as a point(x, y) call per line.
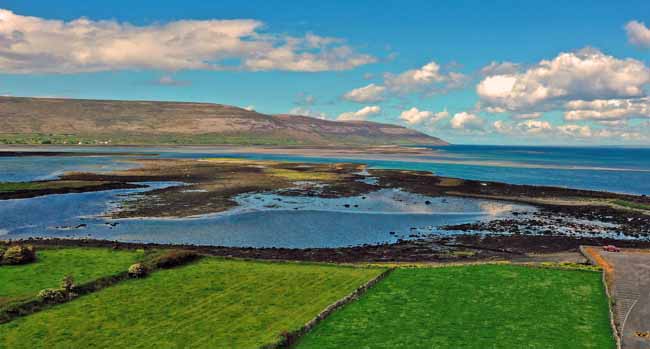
point(53, 295)
point(138, 270)
point(19, 255)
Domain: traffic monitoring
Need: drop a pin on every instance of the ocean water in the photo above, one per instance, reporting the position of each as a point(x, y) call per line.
point(261, 220)
point(265, 221)
point(616, 169)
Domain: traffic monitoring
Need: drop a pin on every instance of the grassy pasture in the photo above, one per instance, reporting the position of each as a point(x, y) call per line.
point(19, 282)
point(212, 303)
point(43, 185)
point(482, 306)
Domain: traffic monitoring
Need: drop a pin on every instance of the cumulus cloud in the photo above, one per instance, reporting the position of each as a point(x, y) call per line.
point(467, 121)
point(38, 45)
point(526, 116)
point(362, 114)
point(426, 79)
point(534, 126)
point(579, 131)
point(305, 111)
point(545, 130)
point(587, 74)
point(366, 94)
point(608, 109)
point(500, 68)
point(414, 116)
point(502, 127)
point(638, 34)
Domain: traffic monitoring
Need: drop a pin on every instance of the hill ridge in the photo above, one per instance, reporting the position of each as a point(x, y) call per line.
point(29, 120)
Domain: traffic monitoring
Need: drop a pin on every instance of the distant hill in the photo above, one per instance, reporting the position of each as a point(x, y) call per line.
point(26, 120)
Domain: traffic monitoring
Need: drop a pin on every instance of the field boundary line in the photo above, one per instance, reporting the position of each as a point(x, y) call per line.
point(35, 304)
point(587, 252)
point(288, 340)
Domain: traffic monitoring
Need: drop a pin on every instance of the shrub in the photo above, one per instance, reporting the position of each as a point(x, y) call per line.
point(2, 252)
point(67, 284)
point(53, 295)
point(174, 258)
point(138, 270)
point(19, 255)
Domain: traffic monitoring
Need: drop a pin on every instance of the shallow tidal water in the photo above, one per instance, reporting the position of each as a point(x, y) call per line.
point(261, 220)
point(269, 220)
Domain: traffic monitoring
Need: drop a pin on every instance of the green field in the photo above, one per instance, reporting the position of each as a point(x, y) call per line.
point(212, 303)
point(18, 282)
point(630, 204)
point(58, 184)
point(488, 306)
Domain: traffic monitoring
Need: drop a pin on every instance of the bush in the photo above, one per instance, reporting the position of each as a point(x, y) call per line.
point(174, 258)
point(138, 270)
point(2, 252)
point(19, 255)
point(53, 295)
point(67, 284)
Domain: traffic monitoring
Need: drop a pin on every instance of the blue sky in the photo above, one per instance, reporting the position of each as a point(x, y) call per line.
point(433, 52)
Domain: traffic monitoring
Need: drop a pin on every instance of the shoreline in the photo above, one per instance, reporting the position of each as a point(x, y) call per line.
point(461, 248)
point(396, 153)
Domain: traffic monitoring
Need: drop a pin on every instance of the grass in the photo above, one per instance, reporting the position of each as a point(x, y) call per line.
point(481, 306)
point(59, 184)
point(293, 175)
point(240, 161)
point(212, 303)
point(148, 139)
point(630, 204)
point(19, 282)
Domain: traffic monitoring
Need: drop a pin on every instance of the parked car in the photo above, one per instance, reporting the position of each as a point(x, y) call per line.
point(611, 248)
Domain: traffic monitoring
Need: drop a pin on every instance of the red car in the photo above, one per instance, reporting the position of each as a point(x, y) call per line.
point(611, 248)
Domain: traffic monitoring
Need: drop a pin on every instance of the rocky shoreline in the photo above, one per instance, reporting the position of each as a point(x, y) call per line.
point(461, 248)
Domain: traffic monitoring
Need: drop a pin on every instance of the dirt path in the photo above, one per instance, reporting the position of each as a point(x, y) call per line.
point(630, 280)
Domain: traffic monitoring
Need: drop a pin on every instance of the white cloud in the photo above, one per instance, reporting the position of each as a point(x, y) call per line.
point(467, 121)
point(534, 126)
point(38, 45)
point(587, 74)
point(427, 78)
point(579, 131)
point(500, 68)
point(414, 116)
point(638, 34)
point(526, 116)
point(545, 131)
point(250, 107)
point(608, 109)
point(502, 127)
point(527, 127)
point(362, 114)
point(366, 94)
point(308, 112)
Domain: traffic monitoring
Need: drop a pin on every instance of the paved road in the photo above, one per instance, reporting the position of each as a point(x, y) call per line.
point(631, 291)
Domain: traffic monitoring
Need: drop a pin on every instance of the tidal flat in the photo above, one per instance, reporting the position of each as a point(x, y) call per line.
point(234, 202)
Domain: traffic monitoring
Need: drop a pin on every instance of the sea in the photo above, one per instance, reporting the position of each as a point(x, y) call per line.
point(615, 169)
